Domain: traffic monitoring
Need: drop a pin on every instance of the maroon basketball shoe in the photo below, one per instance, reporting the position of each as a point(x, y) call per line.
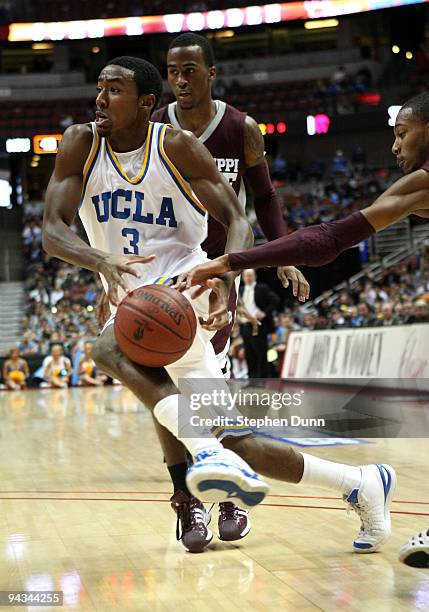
point(192, 522)
point(233, 522)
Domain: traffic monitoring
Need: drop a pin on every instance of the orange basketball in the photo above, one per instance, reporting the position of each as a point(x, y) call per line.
point(155, 325)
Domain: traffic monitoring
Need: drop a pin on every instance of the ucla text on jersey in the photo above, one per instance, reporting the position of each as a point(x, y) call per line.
point(138, 203)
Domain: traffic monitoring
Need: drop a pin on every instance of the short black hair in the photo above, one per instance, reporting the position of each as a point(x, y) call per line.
point(419, 106)
point(146, 76)
point(195, 40)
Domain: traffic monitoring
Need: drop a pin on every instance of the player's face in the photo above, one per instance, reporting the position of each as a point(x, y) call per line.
point(411, 145)
point(189, 77)
point(117, 100)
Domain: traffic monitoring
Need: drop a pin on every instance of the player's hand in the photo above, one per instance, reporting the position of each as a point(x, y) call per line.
point(255, 324)
point(102, 310)
point(113, 267)
point(218, 305)
point(199, 274)
point(300, 286)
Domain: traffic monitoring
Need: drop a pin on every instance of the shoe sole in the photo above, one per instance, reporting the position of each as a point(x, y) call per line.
point(387, 503)
point(415, 556)
point(218, 482)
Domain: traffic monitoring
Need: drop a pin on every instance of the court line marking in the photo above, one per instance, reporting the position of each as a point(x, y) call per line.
point(114, 499)
point(101, 492)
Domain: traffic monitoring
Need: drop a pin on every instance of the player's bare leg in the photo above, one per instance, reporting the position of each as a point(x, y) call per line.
point(368, 489)
point(193, 518)
point(217, 473)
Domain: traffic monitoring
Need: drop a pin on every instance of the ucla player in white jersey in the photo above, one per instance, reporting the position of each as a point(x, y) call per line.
point(105, 172)
point(139, 188)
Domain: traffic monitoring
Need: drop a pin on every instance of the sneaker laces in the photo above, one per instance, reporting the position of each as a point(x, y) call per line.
point(367, 518)
point(228, 511)
point(189, 514)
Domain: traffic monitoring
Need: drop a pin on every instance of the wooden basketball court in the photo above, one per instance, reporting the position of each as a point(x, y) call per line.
point(84, 508)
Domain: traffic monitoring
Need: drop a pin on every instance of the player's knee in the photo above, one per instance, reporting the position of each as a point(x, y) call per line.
point(106, 353)
point(244, 446)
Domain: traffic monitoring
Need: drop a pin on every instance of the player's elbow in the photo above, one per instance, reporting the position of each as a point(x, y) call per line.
point(245, 230)
point(49, 238)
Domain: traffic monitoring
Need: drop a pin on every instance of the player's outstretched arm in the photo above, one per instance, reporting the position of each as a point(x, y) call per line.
point(409, 195)
point(62, 202)
point(317, 245)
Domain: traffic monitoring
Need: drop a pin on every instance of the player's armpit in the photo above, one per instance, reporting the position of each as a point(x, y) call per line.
point(422, 213)
point(197, 166)
point(406, 196)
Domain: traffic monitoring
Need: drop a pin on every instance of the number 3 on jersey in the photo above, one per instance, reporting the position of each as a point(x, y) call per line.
point(133, 236)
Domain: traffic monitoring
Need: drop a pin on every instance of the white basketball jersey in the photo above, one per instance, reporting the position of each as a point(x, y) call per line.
point(138, 203)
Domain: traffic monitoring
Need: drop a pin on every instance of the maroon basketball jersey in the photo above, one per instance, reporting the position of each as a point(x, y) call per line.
point(224, 138)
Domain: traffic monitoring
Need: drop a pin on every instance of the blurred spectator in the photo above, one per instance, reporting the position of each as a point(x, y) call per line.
point(386, 315)
point(279, 167)
point(56, 369)
point(237, 354)
point(28, 344)
point(420, 312)
point(339, 163)
point(15, 371)
point(87, 370)
point(363, 317)
point(260, 302)
point(339, 76)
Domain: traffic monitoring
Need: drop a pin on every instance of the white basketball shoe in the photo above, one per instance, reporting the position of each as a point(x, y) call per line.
point(221, 475)
point(371, 501)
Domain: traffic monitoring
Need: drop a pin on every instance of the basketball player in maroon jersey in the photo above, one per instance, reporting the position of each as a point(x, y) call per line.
point(237, 146)
point(409, 195)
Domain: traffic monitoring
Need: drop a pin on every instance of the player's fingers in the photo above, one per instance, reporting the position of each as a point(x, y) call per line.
point(283, 278)
point(293, 277)
point(119, 281)
point(304, 288)
point(180, 281)
point(112, 293)
point(181, 287)
point(135, 259)
point(199, 291)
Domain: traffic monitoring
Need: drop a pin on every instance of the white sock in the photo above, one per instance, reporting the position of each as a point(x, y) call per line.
point(196, 439)
point(335, 476)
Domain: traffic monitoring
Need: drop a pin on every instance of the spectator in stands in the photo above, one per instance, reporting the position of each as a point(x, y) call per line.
point(15, 371)
point(28, 345)
point(337, 319)
point(279, 167)
point(260, 302)
point(56, 369)
point(387, 318)
point(420, 313)
point(339, 163)
point(237, 354)
point(87, 371)
point(285, 325)
point(363, 318)
point(339, 75)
